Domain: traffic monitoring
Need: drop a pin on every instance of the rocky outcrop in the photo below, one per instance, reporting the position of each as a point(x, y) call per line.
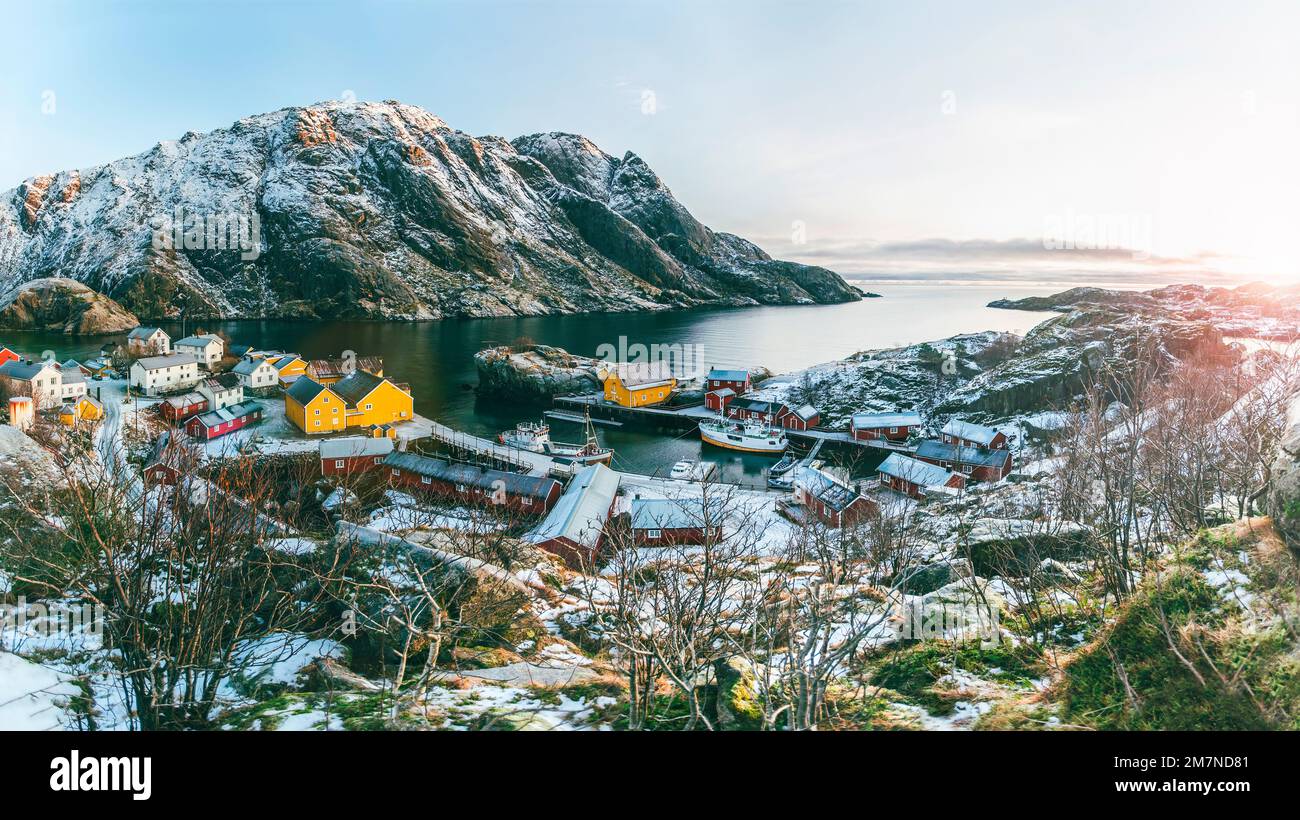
point(535, 373)
point(993, 376)
point(1255, 310)
point(63, 306)
point(1282, 497)
point(1061, 356)
point(381, 210)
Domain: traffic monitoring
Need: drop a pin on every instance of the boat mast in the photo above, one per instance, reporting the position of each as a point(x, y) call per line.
point(591, 429)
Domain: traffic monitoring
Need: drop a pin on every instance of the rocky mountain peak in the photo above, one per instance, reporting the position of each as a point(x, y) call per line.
point(382, 210)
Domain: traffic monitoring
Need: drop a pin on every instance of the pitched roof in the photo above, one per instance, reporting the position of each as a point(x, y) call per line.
point(975, 456)
point(143, 332)
point(162, 362)
point(331, 368)
point(806, 412)
point(722, 392)
point(756, 405)
point(580, 514)
point(825, 488)
point(355, 446)
point(246, 367)
point(197, 341)
point(470, 475)
point(718, 375)
point(224, 381)
point(970, 431)
point(867, 421)
point(304, 390)
point(640, 374)
point(23, 369)
point(916, 472)
point(357, 386)
point(230, 413)
point(281, 364)
point(71, 372)
point(674, 513)
point(186, 400)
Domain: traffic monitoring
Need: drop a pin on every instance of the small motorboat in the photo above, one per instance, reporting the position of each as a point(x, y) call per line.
point(785, 465)
point(688, 470)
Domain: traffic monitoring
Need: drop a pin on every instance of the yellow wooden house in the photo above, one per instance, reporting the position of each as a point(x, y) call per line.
point(360, 400)
point(85, 408)
point(289, 369)
point(638, 385)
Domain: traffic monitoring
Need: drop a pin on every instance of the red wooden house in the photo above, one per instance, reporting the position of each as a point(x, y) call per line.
point(7, 355)
point(353, 454)
point(717, 400)
point(660, 522)
point(222, 422)
point(889, 426)
point(179, 408)
point(831, 501)
point(967, 434)
point(467, 483)
point(976, 462)
point(575, 527)
point(775, 413)
point(917, 478)
point(171, 458)
point(736, 380)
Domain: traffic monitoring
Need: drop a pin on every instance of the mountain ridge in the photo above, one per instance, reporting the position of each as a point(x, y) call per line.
point(383, 211)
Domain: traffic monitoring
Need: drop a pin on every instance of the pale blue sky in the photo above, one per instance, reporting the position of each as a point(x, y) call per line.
point(878, 127)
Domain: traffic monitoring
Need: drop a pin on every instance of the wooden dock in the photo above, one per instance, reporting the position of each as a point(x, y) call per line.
point(687, 417)
point(512, 457)
point(576, 418)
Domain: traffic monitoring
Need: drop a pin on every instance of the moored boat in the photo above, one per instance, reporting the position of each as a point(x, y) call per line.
point(536, 437)
point(748, 436)
point(785, 465)
point(688, 470)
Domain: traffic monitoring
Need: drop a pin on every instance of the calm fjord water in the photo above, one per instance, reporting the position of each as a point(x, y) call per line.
point(436, 358)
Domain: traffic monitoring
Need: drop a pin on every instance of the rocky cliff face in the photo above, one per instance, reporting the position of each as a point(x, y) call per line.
point(381, 210)
point(63, 306)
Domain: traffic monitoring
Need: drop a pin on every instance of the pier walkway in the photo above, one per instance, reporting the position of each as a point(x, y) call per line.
point(533, 463)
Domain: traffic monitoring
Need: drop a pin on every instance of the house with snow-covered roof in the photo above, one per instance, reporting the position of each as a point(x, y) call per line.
point(917, 478)
point(148, 341)
point(970, 434)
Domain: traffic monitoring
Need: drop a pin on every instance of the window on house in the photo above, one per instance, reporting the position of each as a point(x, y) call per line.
point(460, 488)
point(653, 533)
point(338, 463)
point(526, 501)
point(424, 479)
point(397, 472)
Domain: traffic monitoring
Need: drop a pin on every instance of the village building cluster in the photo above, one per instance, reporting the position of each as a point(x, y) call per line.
point(206, 389)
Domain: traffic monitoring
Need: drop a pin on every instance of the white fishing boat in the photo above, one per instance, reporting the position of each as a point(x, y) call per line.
point(536, 437)
point(747, 436)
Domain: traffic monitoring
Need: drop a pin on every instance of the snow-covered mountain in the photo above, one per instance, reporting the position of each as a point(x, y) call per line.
point(381, 210)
